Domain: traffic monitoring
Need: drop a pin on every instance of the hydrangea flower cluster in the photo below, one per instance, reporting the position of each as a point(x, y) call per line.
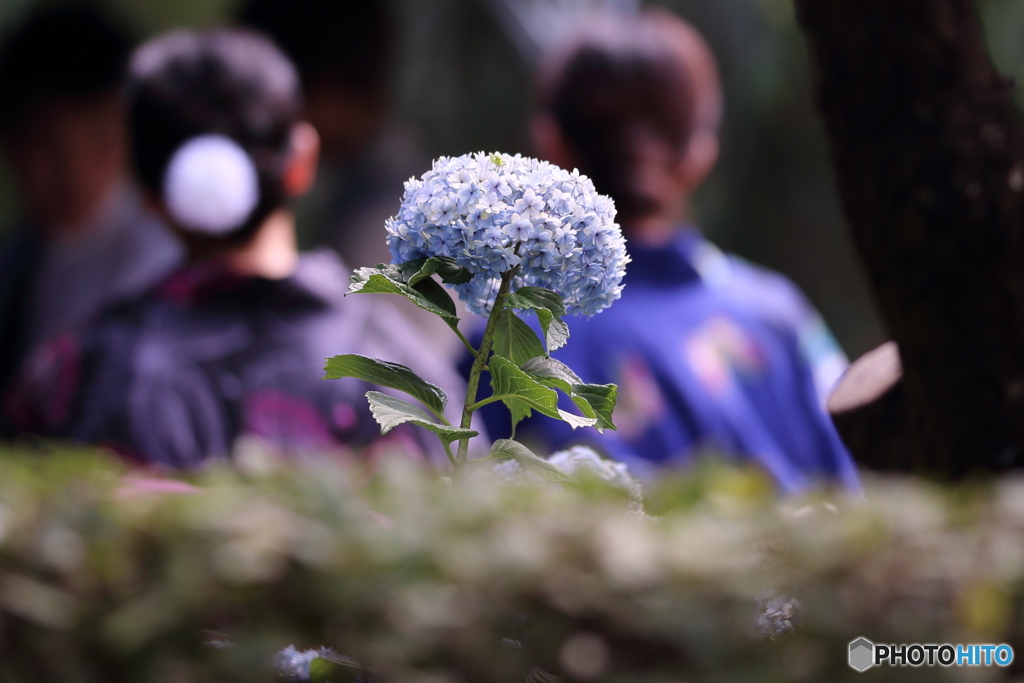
point(294, 665)
point(493, 212)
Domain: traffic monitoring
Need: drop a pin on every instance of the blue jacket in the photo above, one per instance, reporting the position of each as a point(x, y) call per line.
point(709, 353)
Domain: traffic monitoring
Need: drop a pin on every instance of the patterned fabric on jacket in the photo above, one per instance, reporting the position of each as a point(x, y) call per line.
point(176, 376)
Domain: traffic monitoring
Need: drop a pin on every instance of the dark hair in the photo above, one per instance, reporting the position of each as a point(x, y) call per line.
point(68, 50)
point(619, 86)
point(230, 82)
point(349, 41)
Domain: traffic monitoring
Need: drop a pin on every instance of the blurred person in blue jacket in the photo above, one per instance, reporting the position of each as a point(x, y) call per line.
point(233, 343)
point(86, 239)
point(710, 352)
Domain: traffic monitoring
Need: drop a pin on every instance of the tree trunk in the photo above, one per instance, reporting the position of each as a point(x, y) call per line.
point(929, 154)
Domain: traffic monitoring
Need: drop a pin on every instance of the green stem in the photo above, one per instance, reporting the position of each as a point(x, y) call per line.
point(478, 367)
point(448, 452)
point(464, 340)
point(486, 402)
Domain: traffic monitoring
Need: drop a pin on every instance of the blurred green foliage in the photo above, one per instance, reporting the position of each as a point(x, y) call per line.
point(463, 87)
point(110, 576)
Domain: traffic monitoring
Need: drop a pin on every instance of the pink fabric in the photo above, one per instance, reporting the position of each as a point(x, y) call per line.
point(41, 398)
point(283, 418)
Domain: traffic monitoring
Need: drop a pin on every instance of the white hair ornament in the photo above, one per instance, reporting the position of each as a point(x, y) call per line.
point(211, 185)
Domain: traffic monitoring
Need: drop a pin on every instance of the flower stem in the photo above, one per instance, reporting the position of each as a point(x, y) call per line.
point(448, 452)
point(465, 341)
point(486, 402)
point(479, 363)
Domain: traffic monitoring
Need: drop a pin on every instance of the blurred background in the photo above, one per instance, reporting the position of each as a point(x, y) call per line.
point(462, 83)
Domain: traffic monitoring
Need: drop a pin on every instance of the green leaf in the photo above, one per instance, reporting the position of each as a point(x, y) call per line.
point(593, 400)
point(326, 670)
point(556, 332)
point(451, 273)
point(515, 340)
point(537, 297)
point(390, 279)
point(602, 399)
point(320, 670)
point(519, 391)
point(523, 394)
point(506, 448)
point(552, 373)
point(391, 412)
point(557, 375)
point(549, 307)
point(387, 374)
point(439, 297)
point(576, 421)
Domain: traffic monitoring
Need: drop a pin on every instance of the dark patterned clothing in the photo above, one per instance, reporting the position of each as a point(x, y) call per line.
point(49, 283)
point(19, 259)
point(174, 377)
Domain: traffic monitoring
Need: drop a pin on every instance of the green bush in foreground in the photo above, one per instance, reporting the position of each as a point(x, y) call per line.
point(102, 579)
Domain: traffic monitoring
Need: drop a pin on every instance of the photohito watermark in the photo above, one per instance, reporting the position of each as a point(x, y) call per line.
point(864, 654)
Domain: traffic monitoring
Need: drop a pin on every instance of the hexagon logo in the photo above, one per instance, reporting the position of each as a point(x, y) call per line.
point(862, 655)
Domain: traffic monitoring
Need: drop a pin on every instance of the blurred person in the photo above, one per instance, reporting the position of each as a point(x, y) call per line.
point(710, 353)
point(234, 343)
point(86, 239)
point(344, 52)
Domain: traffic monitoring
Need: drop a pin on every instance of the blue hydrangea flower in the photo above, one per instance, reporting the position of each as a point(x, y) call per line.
point(294, 665)
point(494, 212)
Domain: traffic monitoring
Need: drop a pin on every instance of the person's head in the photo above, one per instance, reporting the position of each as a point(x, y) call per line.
point(62, 124)
point(343, 51)
point(635, 103)
point(219, 145)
